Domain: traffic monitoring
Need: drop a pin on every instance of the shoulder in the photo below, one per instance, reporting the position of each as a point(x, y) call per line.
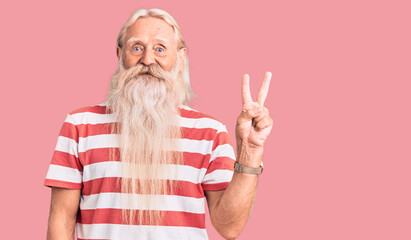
point(91, 114)
point(97, 108)
point(196, 119)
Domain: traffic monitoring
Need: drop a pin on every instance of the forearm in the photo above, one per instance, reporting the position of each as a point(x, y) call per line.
point(59, 229)
point(235, 206)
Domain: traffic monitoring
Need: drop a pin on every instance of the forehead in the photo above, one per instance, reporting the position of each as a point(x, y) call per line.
point(150, 29)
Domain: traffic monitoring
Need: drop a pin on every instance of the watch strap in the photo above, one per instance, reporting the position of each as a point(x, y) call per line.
point(249, 170)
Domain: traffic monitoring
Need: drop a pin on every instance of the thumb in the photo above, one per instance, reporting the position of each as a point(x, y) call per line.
point(251, 112)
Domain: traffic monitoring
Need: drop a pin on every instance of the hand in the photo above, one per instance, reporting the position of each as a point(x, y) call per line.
point(254, 123)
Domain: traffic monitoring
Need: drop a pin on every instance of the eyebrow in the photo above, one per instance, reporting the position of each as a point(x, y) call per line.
point(134, 39)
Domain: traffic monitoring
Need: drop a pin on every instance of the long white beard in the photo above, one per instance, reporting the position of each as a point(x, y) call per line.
point(144, 101)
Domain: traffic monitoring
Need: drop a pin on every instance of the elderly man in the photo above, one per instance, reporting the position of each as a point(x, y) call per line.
point(140, 165)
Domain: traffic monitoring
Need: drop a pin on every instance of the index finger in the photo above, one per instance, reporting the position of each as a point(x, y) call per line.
point(262, 94)
point(245, 89)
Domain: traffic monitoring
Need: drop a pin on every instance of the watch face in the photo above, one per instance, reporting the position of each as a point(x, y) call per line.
point(237, 166)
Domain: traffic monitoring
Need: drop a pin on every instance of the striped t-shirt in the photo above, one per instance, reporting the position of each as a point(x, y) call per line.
point(80, 161)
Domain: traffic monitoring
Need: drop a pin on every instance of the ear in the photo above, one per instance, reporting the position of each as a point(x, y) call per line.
point(182, 56)
point(118, 52)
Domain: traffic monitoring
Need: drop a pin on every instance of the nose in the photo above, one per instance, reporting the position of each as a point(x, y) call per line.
point(148, 58)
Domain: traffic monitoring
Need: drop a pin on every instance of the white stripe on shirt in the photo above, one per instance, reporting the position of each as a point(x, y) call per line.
point(225, 150)
point(158, 202)
point(133, 232)
point(172, 172)
point(110, 140)
point(221, 175)
point(98, 118)
point(61, 173)
point(67, 145)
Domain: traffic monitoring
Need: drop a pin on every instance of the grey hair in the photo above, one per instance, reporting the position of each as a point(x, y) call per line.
point(158, 13)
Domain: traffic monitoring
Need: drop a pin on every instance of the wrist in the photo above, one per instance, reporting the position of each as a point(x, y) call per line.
point(242, 143)
point(249, 156)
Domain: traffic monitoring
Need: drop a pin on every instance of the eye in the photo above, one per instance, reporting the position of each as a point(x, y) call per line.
point(160, 49)
point(136, 48)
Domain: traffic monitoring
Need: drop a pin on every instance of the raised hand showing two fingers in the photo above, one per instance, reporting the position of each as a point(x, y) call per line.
point(254, 123)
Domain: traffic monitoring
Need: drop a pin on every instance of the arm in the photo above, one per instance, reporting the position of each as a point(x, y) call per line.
point(63, 212)
point(231, 208)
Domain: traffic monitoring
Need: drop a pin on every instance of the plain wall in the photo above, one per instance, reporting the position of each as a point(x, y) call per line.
point(337, 162)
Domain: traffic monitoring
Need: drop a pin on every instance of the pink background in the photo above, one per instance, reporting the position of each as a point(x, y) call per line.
point(337, 163)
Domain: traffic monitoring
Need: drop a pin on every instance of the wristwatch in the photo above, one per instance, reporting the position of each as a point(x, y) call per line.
point(250, 170)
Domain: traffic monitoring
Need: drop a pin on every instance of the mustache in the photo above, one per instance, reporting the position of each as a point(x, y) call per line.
point(140, 70)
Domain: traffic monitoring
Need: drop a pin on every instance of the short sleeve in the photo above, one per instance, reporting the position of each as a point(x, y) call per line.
point(65, 169)
point(221, 167)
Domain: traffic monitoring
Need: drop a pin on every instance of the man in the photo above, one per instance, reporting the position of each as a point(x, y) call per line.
point(140, 165)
